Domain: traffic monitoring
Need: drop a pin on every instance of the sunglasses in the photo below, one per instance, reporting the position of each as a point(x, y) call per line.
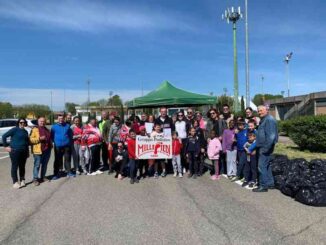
point(180, 115)
point(189, 112)
point(213, 113)
point(22, 122)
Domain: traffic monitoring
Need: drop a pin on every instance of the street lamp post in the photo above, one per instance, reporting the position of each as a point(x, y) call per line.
point(88, 94)
point(233, 15)
point(262, 88)
point(51, 117)
point(247, 56)
point(287, 68)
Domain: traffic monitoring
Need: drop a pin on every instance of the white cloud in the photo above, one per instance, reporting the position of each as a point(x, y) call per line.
point(19, 96)
point(91, 16)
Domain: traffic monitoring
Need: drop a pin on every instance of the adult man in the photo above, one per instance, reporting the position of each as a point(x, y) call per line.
point(267, 137)
point(61, 135)
point(164, 120)
point(104, 146)
point(226, 116)
point(69, 118)
point(143, 119)
point(40, 139)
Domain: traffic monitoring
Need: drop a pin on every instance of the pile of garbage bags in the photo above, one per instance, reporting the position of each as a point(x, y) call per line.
point(304, 181)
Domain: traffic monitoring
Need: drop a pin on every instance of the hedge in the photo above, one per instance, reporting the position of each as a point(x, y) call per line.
point(308, 132)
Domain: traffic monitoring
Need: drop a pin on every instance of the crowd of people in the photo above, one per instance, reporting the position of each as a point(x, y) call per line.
point(239, 147)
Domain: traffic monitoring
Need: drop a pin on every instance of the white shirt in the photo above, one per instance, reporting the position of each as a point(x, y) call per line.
point(180, 127)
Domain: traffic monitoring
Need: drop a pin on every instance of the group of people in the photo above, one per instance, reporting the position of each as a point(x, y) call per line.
point(239, 147)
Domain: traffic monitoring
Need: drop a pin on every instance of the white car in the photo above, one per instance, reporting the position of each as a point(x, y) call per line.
point(7, 124)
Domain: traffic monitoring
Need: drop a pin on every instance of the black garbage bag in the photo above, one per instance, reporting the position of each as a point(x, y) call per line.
point(319, 165)
point(312, 196)
point(279, 181)
point(294, 176)
point(279, 164)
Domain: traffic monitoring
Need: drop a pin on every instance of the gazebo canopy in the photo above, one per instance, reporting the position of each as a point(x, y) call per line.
point(168, 95)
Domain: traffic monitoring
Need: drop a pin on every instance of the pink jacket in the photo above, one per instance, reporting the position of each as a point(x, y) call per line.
point(213, 149)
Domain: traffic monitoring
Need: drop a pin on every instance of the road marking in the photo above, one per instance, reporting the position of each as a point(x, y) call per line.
point(4, 157)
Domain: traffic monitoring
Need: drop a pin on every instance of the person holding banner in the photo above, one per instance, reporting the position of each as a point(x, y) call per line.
point(192, 150)
point(157, 133)
point(133, 163)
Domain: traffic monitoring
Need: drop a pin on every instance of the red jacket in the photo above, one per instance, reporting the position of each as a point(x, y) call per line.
point(176, 147)
point(77, 131)
point(131, 144)
point(91, 136)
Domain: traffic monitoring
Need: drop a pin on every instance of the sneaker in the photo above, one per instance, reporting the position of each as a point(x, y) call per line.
point(78, 172)
point(55, 177)
point(132, 181)
point(194, 176)
point(252, 185)
point(156, 175)
point(184, 170)
point(93, 174)
point(136, 180)
point(120, 177)
point(235, 178)
point(16, 185)
point(36, 183)
point(245, 183)
point(180, 175)
point(175, 174)
point(85, 172)
point(71, 175)
point(260, 189)
point(163, 174)
point(242, 180)
point(22, 183)
point(215, 177)
point(99, 172)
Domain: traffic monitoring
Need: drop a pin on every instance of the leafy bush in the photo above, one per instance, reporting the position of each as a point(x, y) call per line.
point(284, 126)
point(309, 132)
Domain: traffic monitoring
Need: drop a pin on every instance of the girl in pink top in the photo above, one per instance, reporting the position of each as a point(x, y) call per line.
point(213, 151)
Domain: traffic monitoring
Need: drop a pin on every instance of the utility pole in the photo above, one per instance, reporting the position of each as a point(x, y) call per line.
point(262, 88)
point(88, 92)
point(51, 117)
point(232, 15)
point(287, 68)
point(247, 56)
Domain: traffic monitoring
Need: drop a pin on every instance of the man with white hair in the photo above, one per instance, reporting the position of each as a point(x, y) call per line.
point(267, 137)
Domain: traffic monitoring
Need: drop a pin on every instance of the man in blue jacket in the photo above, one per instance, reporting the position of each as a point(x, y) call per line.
point(267, 137)
point(61, 135)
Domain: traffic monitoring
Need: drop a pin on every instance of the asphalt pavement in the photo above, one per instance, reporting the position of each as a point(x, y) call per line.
point(102, 210)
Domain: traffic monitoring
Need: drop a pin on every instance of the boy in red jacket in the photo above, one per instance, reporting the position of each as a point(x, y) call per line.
point(131, 144)
point(176, 150)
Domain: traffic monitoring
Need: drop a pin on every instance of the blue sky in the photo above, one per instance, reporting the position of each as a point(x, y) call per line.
point(120, 44)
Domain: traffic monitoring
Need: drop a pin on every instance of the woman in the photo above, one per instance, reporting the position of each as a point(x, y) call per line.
point(92, 139)
point(40, 139)
point(78, 155)
point(214, 123)
point(181, 128)
point(200, 119)
point(18, 150)
point(250, 115)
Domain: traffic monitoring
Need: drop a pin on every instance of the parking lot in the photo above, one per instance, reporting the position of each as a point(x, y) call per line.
point(102, 210)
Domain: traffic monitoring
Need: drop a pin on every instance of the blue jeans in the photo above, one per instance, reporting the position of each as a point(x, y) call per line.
point(133, 166)
point(41, 161)
point(265, 171)
point(242, 159)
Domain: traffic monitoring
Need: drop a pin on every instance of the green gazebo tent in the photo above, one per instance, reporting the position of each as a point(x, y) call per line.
point(168, 95)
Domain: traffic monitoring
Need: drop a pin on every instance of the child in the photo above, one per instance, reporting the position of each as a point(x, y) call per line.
point(241, 138)
point(176, 150)
point(192, 151)
point(252, 126)
point(131, 143)
point(143, 163)
point(120, 160)
point(229, 147)
point(213, 152)
point(250, 169)
point(157, 133)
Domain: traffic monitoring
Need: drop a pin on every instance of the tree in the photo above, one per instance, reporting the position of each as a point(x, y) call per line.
point(115, 100)
point(6, 110)
point(259, 99)
point(70, 107)
point(222, 100)
point(35, 110)
point(242, 105)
